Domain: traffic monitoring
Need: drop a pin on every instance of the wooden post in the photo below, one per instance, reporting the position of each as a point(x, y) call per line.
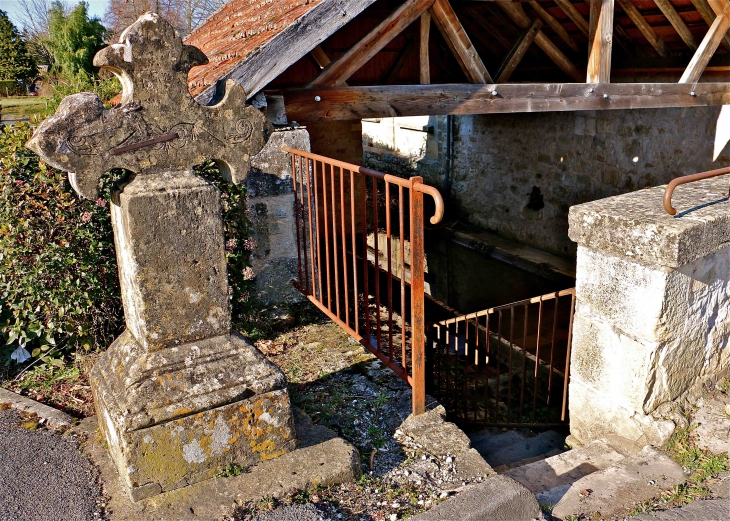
point(418, 323)
point(600, 41)
point(425, 65)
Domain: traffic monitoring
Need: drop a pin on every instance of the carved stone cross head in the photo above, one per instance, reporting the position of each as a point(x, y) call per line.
point(158, 127)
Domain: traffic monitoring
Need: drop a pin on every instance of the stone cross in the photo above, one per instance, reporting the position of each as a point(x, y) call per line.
point(178, 395)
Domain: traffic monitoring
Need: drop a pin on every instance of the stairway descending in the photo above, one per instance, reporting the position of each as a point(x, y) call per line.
point(510, 449)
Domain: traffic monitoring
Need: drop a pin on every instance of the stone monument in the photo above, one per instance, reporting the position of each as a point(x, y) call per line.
point(178, 394)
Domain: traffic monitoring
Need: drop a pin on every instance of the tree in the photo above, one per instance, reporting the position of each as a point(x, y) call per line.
point(183, 15)
point(16, 63)
point(33, 17)
point(74, 39)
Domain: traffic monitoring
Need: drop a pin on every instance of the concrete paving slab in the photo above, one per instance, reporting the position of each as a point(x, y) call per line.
point(500, 498)
point(706, 510)
point(320, 459)
point(51, 417)
point(610, 491)
point(548, 478)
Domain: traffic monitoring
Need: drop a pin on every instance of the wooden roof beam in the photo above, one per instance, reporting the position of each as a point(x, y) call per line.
point(575, 16)
point(321, 58)
point(340, 103)
point(345, 65)
point(554, 25)
point(458, 41)
point(633, 13)
point(600, 41)
point(707, 48)
point(677, 22)
point(514, 57)
point(518, 16)
point(490, 28)
point(708, 15)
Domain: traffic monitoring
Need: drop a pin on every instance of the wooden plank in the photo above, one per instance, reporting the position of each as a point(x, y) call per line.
point(321, 58)
point(342, 103)
point(514, 57)
point(659, 46)
point(600, 41)
point(706, 49)
point(708, 15)
point(518, 16)
point(677, 22)
point(554, 25)
point(424, 59)
point(392, 75)
point(719, 6)
point(490, 28)
point(381, 35)
point(270, 60)
point(458, 41)
point(575, 16)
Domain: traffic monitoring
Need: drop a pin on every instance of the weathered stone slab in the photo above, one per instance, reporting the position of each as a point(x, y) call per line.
point(319, 459)
point(639, 477)
point(48, 415)
point(635, 225)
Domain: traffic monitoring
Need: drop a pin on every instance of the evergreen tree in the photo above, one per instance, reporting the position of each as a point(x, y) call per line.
point(16, 63)
point(74, 39)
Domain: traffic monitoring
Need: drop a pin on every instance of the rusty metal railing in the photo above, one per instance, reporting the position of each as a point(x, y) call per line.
point(507, 365)
point(339, 207)
point(674, 183)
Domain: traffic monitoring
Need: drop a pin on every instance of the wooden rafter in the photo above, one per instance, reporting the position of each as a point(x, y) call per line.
point(554, 25)
point(514, 57)
point(423, 55)
point(400, 61)
point(600, 41)
point(519, 17)
point(359, 54)
point(707, 48)
point(458, 41)
point(321, 58)
point(708, 15)
point(575, 16)
point(340, 103)
point(677, 22)
point(633, 13)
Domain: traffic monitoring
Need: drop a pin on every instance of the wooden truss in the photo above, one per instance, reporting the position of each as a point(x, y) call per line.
point(327, 96)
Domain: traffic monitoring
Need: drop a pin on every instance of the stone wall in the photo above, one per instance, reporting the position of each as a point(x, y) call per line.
point(652, 321)
point(518, 174)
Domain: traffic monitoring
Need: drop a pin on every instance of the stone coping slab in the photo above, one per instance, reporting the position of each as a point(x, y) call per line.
point(51, 417)
point(635, 225)
point(320, 459)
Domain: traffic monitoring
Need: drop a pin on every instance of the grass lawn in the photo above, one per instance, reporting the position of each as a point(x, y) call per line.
point(22, 105)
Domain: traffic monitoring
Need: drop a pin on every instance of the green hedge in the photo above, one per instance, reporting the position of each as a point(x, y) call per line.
point(59, 288)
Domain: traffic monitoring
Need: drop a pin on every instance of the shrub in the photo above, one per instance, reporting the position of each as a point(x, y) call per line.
point(59, 288)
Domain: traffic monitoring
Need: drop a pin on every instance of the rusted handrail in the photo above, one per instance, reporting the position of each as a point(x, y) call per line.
point(669, 191)
point(423, 188)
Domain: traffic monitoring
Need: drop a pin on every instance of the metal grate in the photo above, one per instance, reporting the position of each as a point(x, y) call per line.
point(508, 365)
point(344, 211)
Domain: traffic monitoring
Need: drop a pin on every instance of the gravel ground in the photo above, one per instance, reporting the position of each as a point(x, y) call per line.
point(43, 475)
point(306, 512)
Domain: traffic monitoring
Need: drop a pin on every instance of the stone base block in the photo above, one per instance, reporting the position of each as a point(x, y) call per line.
point(595, 415)
point(178, 416)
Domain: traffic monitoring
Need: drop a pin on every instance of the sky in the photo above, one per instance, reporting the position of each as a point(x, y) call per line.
point(12, 7)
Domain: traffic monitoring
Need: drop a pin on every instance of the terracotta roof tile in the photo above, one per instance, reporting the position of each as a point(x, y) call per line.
point(237, 30)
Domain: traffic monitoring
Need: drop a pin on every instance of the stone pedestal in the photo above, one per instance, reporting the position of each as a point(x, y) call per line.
point(652, 317)
point(177, 394)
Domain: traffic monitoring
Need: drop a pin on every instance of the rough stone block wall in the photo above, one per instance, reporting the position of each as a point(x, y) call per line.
point(518, 174)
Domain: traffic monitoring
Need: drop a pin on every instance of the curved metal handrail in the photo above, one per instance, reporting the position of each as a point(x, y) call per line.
point(669, 191)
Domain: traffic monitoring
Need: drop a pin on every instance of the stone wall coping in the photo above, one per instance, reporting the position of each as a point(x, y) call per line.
point(635, 225)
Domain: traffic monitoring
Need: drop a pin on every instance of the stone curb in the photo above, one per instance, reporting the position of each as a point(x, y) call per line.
point(52, 417)
point(498, 499)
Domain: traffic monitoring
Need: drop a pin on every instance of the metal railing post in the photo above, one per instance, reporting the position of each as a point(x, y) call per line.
point(418, 324)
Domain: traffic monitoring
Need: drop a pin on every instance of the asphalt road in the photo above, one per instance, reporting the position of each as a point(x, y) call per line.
point(43, 476)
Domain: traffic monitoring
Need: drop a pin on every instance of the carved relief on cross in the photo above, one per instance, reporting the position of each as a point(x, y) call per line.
point(158, 127)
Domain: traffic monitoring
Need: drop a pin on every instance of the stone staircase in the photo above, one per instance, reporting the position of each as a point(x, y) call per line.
point(603, 476)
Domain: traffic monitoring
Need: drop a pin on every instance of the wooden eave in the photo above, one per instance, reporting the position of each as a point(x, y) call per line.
point(372, 62)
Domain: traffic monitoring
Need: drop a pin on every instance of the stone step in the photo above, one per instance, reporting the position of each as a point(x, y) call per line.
point(550, 478)
point(507, 449)
point(614, 490)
